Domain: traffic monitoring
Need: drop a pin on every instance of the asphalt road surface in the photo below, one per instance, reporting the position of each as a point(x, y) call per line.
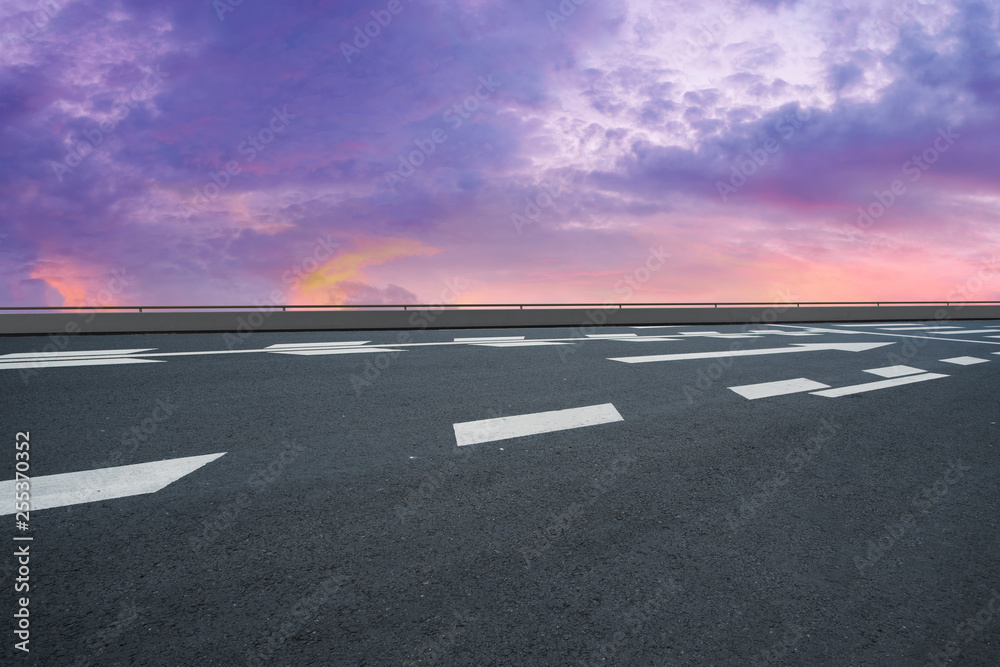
point(688, 495)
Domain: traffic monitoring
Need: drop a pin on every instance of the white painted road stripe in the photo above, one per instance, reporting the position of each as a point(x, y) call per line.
point(65, 363)
point(845, 332)
point(502, 428)
point(35, 360)
point(20, 356)
point(966, 332)
point(895, 371)
point(90, 486)
point(287, 346)
point(734, 335)
point(926, 336)
point(334, 350)
point(796, 347)
point(488, 339)
point(780, 388)
point(966, 361)
point(519, 343)
point(618, 335)
point(714, 334)
point(913, 327)
point(874, 386)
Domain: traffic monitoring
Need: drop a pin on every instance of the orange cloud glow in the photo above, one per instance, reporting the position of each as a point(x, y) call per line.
point(78, 284)
point(326, 285)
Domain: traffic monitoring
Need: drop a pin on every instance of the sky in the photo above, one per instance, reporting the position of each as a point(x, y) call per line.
point(206, 152)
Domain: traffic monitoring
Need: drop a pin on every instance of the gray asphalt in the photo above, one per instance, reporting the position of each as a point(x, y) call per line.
point(345, 527)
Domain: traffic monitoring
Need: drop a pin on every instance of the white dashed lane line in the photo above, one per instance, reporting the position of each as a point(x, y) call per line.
point(779, 388)
point(503, 428)
point(966, 332)
point(520, 343)
point(909, 327)
point(894, 371)
point(921, 335)
point(489, 339)
point(323, 349)
point(966, 361)
point(895, 376)
point(795, 347)
point(875, 386)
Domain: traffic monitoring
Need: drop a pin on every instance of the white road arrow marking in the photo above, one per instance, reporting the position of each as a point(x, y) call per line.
point(110, 361)
point(75, 358)
point(299, 346)
point(70, 355)
point(317, 349)
point(796, 347)
point(91, 486)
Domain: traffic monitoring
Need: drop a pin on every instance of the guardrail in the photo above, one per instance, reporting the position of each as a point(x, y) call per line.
point(243, 320)
point(411, 306)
